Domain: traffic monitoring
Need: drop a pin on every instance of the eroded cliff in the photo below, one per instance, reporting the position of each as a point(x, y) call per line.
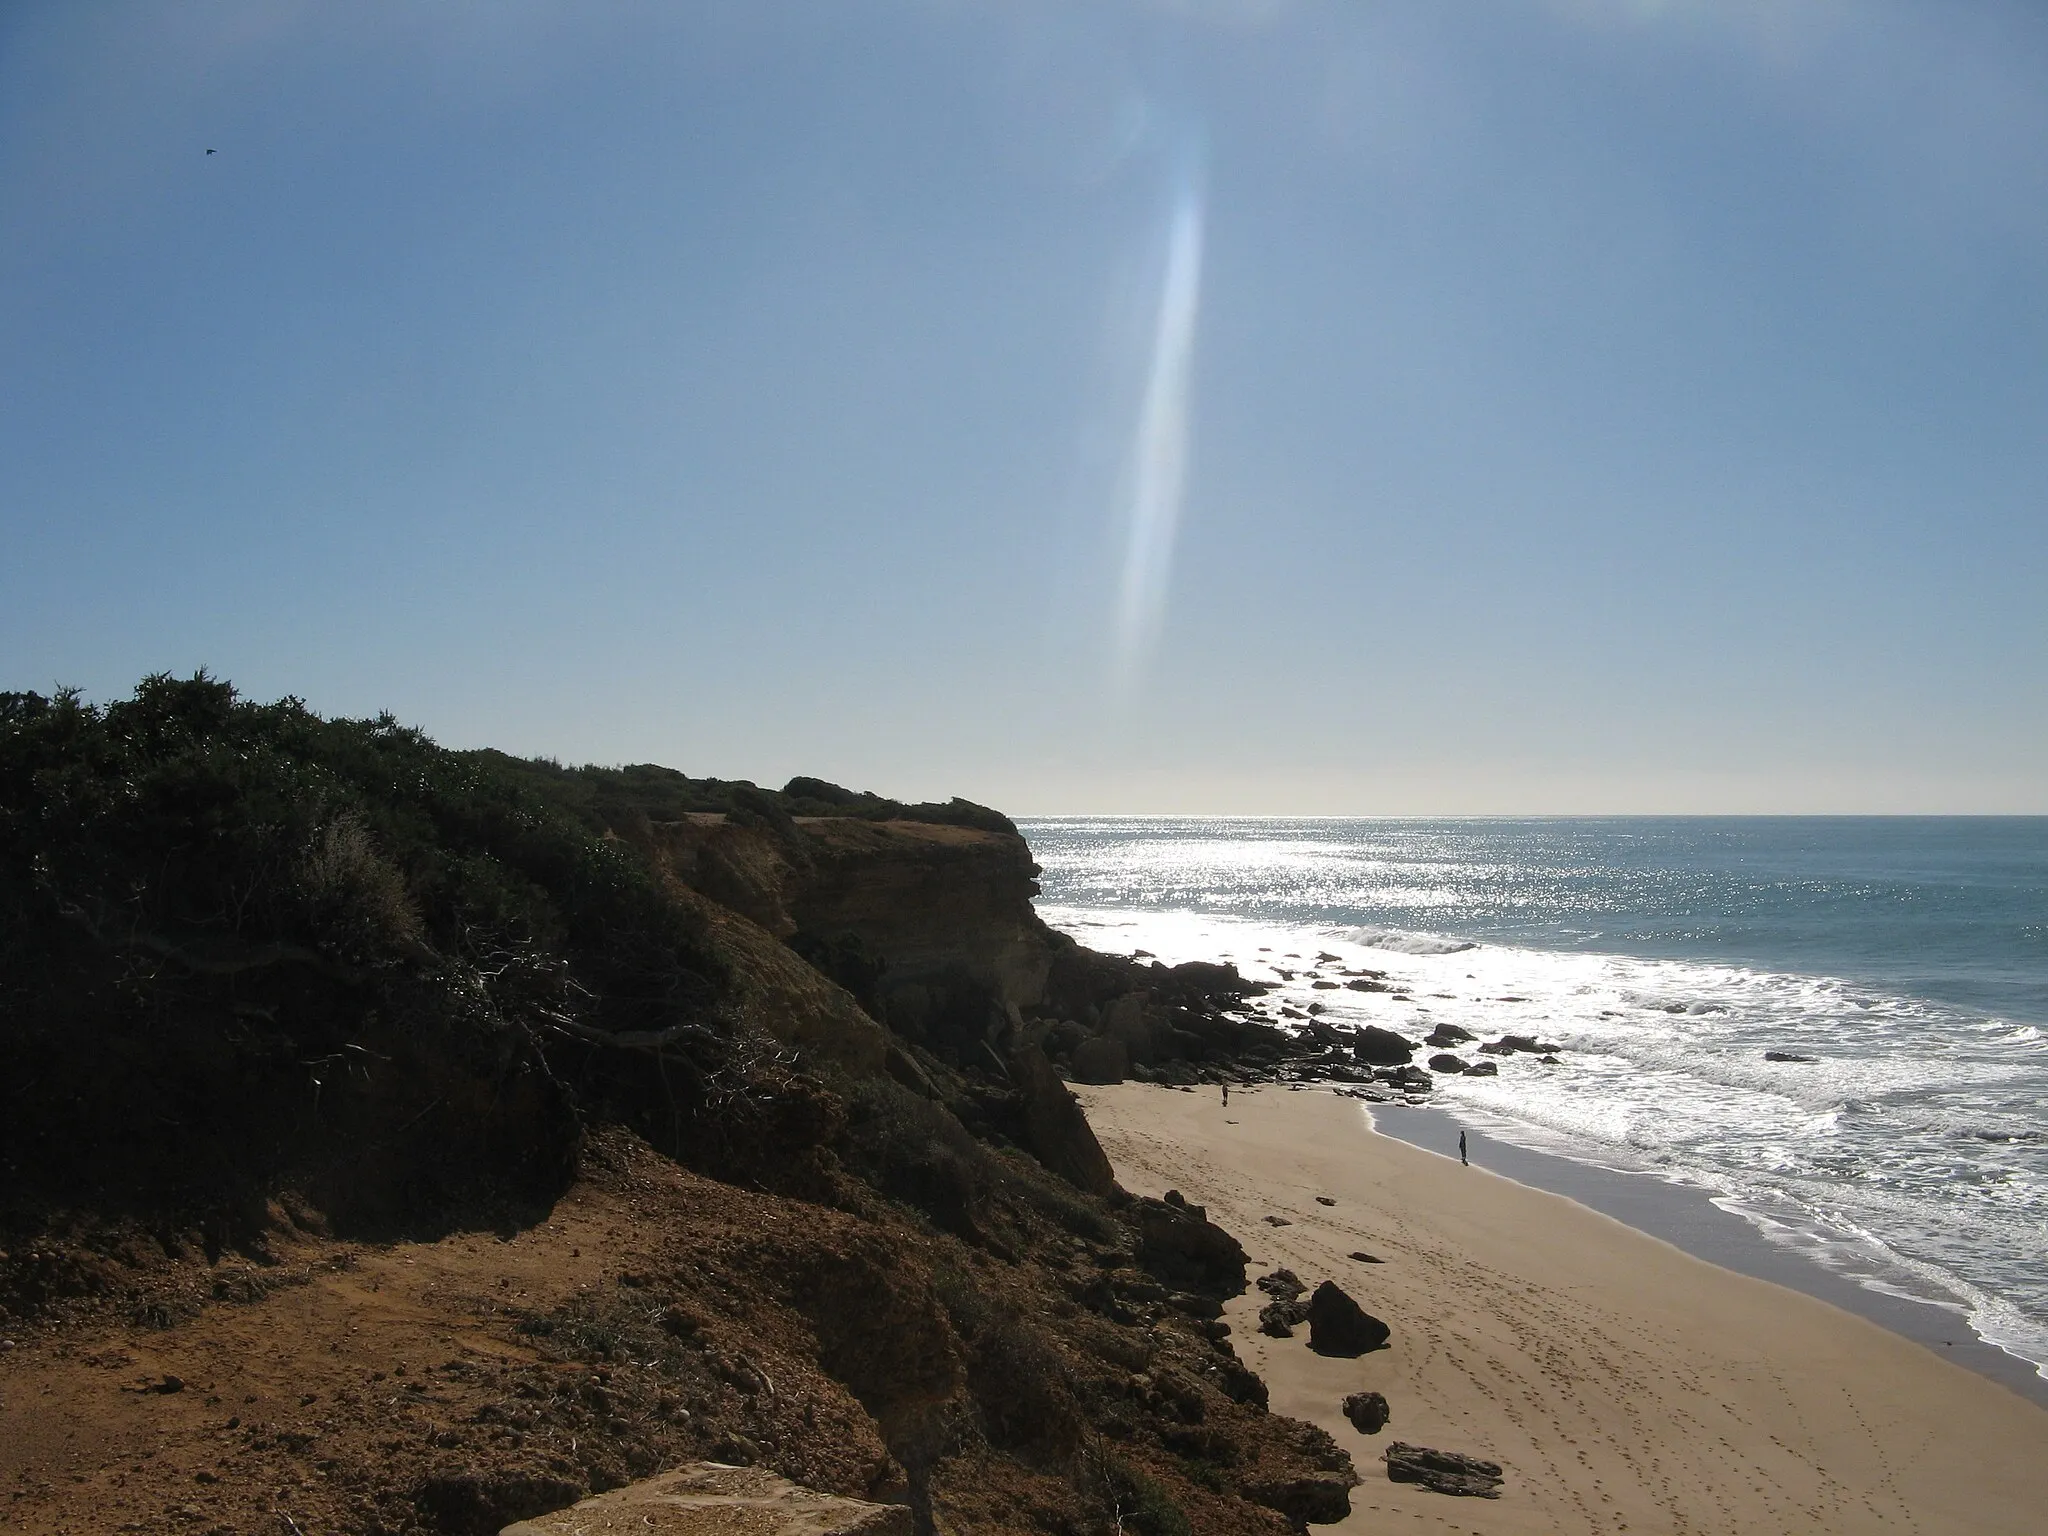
point(407, 1141)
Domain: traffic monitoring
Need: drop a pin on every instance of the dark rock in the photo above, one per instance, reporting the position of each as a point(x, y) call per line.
point(1325, 1034)
point(1483, 1069)
point(1337, 1325)
point(1443, 1471)
point(1788, 1056)
point(1362, 1257)
point(1366, 986)
point(1443, 1061)
point(1278, 1319)
point(1278, 1221)
point(1381, 1047)
point(1181, 1245)
point(1450, 1034)
point(1324, 1200)
point(1498, 1048)
point(1367, 1412)
point(1101, 1060)
point(1282, 1284)
point(1527, 1043)
point(1318, 1499)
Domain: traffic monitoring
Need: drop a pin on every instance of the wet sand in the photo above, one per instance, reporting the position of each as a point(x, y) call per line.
point(1623, 1384)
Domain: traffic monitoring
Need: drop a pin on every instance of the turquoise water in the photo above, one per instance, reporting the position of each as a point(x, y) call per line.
point(1907, 956)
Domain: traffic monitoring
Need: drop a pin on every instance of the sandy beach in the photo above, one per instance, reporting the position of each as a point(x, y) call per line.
point(1622, 1384)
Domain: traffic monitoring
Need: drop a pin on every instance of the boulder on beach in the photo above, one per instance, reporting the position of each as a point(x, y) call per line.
point(1450, 1034)
point(1337, 1325)
point(1789, 1056)
point(1444, 1061)
point(1367, 1412)
point(1378, 1047)
point(1101, 1060)
point(1443, 1471)
point(1483, 1069)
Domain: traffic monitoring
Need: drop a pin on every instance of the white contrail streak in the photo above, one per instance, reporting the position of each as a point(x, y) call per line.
point(1159, 453)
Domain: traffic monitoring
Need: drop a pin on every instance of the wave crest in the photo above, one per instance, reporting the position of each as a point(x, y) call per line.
point(1404, 943)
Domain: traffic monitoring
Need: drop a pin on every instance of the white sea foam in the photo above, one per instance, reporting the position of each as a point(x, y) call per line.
point(1405, 943)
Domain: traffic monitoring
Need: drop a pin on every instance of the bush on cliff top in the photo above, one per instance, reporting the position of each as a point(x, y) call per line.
point(234, 934)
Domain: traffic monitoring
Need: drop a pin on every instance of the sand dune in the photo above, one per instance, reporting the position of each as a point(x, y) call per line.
point(1625, 1386)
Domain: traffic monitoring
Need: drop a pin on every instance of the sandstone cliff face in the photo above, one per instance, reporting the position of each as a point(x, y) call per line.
point(929, 927)
point(948, 909)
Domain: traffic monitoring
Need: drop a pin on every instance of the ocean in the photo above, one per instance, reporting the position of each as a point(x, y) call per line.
point(1907, 957)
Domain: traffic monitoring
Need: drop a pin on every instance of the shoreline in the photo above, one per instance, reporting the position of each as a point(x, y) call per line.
point(1687, 1218)
point(1624, 1384)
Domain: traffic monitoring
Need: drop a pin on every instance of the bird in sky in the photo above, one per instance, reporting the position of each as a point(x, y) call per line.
point(213, 151)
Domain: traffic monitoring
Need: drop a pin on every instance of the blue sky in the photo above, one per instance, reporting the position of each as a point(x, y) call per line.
point(1224, 405)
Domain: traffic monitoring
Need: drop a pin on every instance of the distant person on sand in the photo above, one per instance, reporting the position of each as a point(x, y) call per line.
point(1461, 1147)
point(1226, 1095)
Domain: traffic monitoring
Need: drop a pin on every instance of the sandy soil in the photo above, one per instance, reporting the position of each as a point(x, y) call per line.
point(1623, 1385)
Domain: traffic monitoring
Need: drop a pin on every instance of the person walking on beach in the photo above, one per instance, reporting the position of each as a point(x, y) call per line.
point(1226, 1095)
point(1461, 1150)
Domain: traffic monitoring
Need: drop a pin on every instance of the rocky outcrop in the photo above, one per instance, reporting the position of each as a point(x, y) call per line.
point(1179, 1243)
point(707, 1498)
point(1443, 1471)
point(1337, 1325)
point(1319, 1499)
